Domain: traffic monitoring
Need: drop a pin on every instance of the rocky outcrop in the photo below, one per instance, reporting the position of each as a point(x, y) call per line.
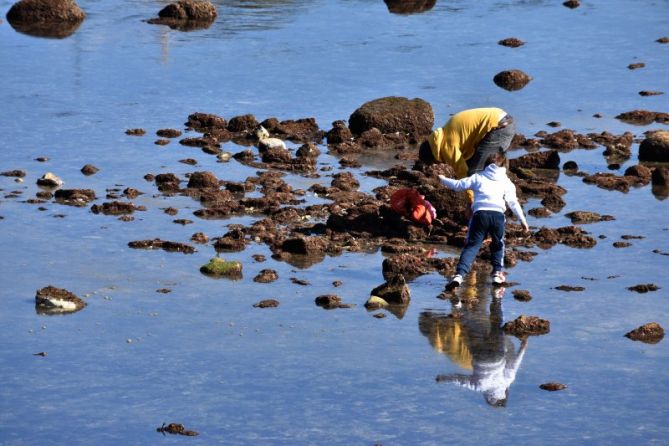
point(393, 114)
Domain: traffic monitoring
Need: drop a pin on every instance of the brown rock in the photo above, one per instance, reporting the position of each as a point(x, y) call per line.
point(643, 117)
point(199, 237)
point(581, 217)
point(522, 295)
point(393, 114)
point(650, 333)
point(663, 40)
point(660, 176)
point(135, 132)
point(650, 93)
point(540, 160)
point(511, 80)
point(74, 197)
point(162, 244)
point(511, 42)
point(114, 208)
point(569, 288)
point(266, 276)
point(186, 15)
point(267, 303)
point(527, 326)
point(552, 386)
point(46, 18)
point(167, 182)
point(52, 300)
point(339, 133)
point(243, 123)
point(571, 4)
point(644, 288)
point(330, 302)
point(395, 291)
point(409, 266)
point(168, 133)
point(203, 180)
point(205, 122)
point(634, 66)
point(13, 173)
point(89, 169)
point(345, 181)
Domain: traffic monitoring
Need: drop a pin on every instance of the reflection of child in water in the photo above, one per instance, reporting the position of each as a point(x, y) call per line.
point(475, 341)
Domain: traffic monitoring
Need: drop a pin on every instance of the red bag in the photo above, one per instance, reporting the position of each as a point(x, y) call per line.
point(409, 203)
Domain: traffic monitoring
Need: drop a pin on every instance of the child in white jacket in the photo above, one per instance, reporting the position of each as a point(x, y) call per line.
point(493, 190)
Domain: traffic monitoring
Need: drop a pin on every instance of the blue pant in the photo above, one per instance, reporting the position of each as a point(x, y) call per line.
point(482, 224)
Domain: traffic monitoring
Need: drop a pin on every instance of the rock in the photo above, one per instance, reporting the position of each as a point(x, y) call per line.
point(199, 237)
point(570, 166)
point(308, 150)
point(409, 266)
point(527, 326)
point(569, 288)
point(409, 6)
point(74, 197)
point(621, 244)
point(206, 122)
point(167, 182)
point(115, 208)
point(581, 217)
point(169, 133)
point(49, 180)
point(218, 267)
point(13, 173)
point(641, 173)
point(52, 300)
point(650, 93)
point(634, 66)
point(511, 42)
point(345, 181)
point(650, 333)
point(266, 276)
point(395, 291)
point(644, 288)
point(655, 147)
point(330, 302)
point(89, 169)
point(186, 15)
point(304, 245)
point(552, 386)
point(162, 244)
point(540, 160)
point(339, 133)
point(643, 117)
point(233, 241)
point(176, 429)
point(202, 180)
point(267, 303)
point(393, 114)
point(571, 4)
point(243, 123)
point(663, 40)
point(46, 18)
point(511, 80)
point(135, 132)
point(299, 130)
point(522, 295)
point(553, 202)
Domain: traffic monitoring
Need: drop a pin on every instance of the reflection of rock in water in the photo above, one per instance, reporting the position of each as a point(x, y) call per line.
point(409, 6)
point(46, 18)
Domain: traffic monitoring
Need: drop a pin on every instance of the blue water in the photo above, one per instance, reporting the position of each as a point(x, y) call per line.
point(202, 355)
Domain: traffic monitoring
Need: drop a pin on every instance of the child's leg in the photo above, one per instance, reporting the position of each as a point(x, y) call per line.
point(497, 241)
point(477, 230)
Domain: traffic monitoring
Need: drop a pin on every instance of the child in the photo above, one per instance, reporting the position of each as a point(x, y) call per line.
point(493, 190)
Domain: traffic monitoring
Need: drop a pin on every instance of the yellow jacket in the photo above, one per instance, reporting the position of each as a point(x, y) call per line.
point(457, 140)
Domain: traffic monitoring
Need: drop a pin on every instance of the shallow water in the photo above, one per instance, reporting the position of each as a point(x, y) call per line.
point(297, 374)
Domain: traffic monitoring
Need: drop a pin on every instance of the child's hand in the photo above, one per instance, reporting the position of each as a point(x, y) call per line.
point(442, 178)
point(526, 228)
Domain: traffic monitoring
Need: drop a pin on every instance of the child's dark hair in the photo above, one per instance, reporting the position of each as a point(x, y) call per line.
point(498, 158)
point(425, 153)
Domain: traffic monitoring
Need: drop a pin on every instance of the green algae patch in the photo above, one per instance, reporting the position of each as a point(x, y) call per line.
point(218, 267)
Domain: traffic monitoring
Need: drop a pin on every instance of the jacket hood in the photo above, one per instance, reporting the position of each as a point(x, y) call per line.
point(494, 172)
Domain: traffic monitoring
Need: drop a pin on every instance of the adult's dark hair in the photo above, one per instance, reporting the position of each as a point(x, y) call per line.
point(425, 153)
point(498, 158)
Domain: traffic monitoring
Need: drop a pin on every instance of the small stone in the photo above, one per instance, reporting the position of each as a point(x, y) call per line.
point(89, 169)
point(635, 66)
point(522, 295)
point(267, 303)
point(135, 132)
point(511, 80)
point(552, 386)
point(511, 42)
point(49, 180)
point(644, 288)
point(219, 267)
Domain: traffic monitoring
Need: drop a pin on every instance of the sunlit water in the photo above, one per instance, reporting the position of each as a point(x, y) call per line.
point(297, 374)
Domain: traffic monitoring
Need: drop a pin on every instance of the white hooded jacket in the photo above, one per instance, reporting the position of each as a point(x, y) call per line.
point(492, 188)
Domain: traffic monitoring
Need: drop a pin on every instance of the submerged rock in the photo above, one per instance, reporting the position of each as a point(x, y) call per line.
point(162, 244)
point(46, 18)
point(511, 80)
point(267, 303)
point(511, 42)
point(552, 386)
point(581, 217)
point(650, 333)
point(176, 429)
point(266, 276)
point(643, 117)
point(52, 300)
point(74, 197)
point(644, 288)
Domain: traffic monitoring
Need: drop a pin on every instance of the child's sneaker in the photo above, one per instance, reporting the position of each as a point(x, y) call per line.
point(455, 282)
point(498, 277)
